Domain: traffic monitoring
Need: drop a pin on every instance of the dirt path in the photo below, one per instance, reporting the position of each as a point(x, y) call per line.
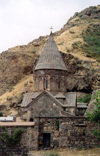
point(69, 152)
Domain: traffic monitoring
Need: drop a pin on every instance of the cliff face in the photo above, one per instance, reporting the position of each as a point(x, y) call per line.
point(79, 42)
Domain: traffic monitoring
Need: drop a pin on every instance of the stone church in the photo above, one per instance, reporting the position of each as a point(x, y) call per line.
point(50, 97)
point(50, 116)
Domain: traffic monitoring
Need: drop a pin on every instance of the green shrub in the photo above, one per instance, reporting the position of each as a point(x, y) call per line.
point(80, 66)
point(76, 45)
point(92, 41)
point(68, 50)
point(37, 55)
point(95, 115)
point(10, 140)
point(84, 99)
point(96, 133)
point(1, 114)
point(11, 88)
point(33, 51)
point(20, 98)
point(72, 32)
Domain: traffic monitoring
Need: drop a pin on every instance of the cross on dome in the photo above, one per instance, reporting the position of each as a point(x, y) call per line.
point(51, 28)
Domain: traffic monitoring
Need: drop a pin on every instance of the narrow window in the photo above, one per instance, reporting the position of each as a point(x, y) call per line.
point(59, 84)
point(46, 83)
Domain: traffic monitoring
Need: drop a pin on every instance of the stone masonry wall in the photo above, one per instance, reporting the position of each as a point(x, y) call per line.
point(56, 80)
point(65, 132)
point(68, 132)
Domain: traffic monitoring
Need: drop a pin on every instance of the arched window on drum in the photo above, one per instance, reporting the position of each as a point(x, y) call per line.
point(46, 83)
point(59, 83)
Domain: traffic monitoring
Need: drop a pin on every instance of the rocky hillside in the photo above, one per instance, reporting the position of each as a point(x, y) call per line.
point(79, 43)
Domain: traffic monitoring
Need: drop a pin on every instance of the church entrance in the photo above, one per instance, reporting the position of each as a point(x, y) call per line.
point(46, 140)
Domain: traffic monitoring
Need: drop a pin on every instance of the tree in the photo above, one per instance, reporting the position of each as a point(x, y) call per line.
point(9, 141)
point(95, 115)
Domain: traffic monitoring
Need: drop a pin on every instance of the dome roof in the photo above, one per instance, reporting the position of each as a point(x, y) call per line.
point(50, 57)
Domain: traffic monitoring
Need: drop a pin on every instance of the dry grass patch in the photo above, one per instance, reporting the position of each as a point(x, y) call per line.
point(70, 152)
point(18, 88)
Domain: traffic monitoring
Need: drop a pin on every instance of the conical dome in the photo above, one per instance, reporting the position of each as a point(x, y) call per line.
point(51, 57)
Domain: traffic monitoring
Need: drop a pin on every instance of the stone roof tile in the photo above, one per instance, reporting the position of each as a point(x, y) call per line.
point(70, 99)
point(28, 98)
point(51, 57)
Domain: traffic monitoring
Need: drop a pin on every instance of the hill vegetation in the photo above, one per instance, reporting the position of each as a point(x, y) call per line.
point(92, 41)
point(95, 115)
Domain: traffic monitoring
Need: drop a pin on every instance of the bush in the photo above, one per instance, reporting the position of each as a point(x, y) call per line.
point(96, 133)
point(84, 99)
point(20, 98)
point(76, 45)
point(95, 116)
point(1, 114)
point(33, 51)
point(11, 88)
point(10, 140)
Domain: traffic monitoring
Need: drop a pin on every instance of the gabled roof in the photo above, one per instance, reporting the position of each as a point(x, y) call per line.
point(51, 57)
point(30, 97)
point(60, 95)
point(70, 99)
point(27, 99)
point(81, 105)
point(39, 95)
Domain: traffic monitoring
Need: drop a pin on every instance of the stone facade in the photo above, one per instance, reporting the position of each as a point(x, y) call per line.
point(50, 80)
point(63, 132)
point(68, 132)
point(45, 105)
